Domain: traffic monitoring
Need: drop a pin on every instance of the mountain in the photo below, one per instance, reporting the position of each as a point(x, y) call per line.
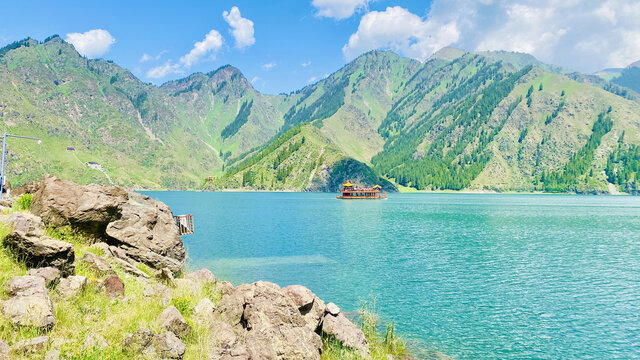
point(479, 121)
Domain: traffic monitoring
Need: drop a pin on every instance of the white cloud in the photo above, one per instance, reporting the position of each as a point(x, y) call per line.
point(241, 28)
point(305, 64)
point(161, 71)
point(338, 9)
point(269, 65)
point(312, 80)
point(91, 43)
point(255, 78)
point(146, 57)
point(400, 30)
point(210, 45)
point(585, 35)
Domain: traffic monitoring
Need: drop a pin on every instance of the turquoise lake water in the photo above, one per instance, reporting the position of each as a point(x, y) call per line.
point(470, 275)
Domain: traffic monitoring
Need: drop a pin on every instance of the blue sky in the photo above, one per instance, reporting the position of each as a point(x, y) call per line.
point(282, 46)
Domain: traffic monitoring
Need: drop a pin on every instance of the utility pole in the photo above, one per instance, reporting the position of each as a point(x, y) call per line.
point(4, 151)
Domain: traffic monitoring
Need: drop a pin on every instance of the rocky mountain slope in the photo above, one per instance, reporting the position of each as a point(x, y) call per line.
point(481, 121)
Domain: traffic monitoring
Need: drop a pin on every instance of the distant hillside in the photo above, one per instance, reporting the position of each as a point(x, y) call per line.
point(480, 121)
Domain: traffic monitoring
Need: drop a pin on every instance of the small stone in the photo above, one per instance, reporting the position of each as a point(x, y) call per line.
point(5, 351)
point(29, 304)
point(171, 319)
point(165, 275)
point(203, 276)
point(71, 286)
point(50, 275)
point(168, 346)
point(37, 250)
point(97, 263)
point(30, 346)
point(158, 290)
point(138, 341)
point(95, 341)
point(113, 286)
point(53, 354)
point(333, 309)
point(204, 309)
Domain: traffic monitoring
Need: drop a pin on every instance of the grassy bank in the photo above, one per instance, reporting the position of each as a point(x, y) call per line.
point(93, 312)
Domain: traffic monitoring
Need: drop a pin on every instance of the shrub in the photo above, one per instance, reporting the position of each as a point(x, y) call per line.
point(23, 202)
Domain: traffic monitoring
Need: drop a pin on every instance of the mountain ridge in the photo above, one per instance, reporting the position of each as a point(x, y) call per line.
point(184, 131)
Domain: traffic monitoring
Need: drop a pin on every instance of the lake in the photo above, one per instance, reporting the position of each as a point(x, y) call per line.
point(470, 275)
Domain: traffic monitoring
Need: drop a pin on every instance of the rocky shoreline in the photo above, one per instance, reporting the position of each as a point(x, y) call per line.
point(132, 251)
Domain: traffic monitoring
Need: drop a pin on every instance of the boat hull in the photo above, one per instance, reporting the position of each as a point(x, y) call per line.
point(381, 197)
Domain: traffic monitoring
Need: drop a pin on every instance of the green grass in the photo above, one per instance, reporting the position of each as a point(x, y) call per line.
point(23, 203)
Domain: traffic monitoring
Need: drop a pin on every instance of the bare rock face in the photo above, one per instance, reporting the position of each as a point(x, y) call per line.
point(50, 275)
point(260, 321)
point(345, 332)
point(168, 346)
point(29, 303)
point(203, 276)
point(113, 286)
point(148, 233)
point(310, 306)
point(97, 263)
point(171, 320)
point(71, 286)
point(41, 251)
point(87, 208)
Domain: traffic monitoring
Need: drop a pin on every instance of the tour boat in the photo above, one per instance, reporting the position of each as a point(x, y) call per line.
point(350, 191)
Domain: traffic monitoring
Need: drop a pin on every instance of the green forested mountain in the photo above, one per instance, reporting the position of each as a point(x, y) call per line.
point(476, 121)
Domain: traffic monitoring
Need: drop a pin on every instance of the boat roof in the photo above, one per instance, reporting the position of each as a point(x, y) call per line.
point(347, 184)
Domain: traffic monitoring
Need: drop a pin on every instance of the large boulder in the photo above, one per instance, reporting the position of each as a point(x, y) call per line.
point(168, 346)
point(25, 222)
point(260, 321)
point(50, 275)
point(148, 233)
point(87, 208)
point(41, 251)
point(28, 188)
point(30, 346)
point(29, 303)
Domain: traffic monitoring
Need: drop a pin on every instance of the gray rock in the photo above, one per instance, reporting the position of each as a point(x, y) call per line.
point(171, 319)
point(168, 346)
point(25, 222)
point(30, 346)
point(160, 291)
point(95, 341)
point(147, 232)
point(5, 351)
point(87, 208)
point(310, 306)
point(50, 275)
point(165, 275)
point(138, 341)
point(263, 322)
point(97, 263)
point(41, 251)
point(204, 309)
point(28, 188)
point(346, 332)
point(225, 287)
point(71, 286)
point(203, 276)
point(333, 309)
point(113, 286)
point(29, 304)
